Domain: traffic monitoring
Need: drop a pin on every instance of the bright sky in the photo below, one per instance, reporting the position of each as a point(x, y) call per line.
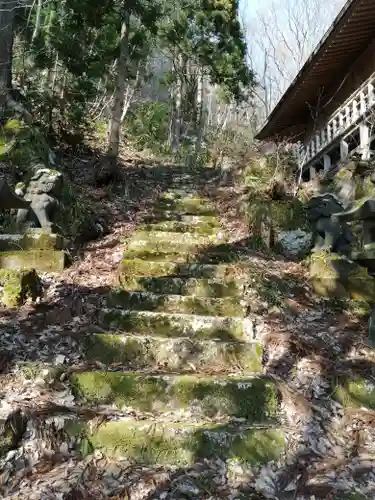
point(247, 6)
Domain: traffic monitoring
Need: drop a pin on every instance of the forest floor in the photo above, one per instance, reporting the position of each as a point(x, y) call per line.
point(312, 347)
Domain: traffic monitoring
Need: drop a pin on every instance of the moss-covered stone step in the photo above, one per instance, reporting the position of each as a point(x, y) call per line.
point(138, 301)
point(151, 442)
point(193, 220)
point(180, 325)
point(355, 393)
point(200, 287)
point(201, 228)
point(253, 399)
point(138, 352)
point(40, 260)
point(162, 255)
point(179, 193)
point(183, 254)
point(33, 239)
point(169, 241)
point(191, 206)
point(18, 285)
point(162, 251)
point(129, 267)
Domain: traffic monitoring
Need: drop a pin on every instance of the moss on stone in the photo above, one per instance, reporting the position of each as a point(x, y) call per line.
point(175, 325)
point(41, 260)
point(186, 254)
point(201, 228)
point(145, 238)
point(189, 205)
point(137, 301)
point(18, 285)
point(335, 276)
point(139, 267)
point(131, 267)
point(178, 444)
point(356, 393)
point(243, 397)
point(159, 241)
point(365, 189)
point(33, 240)
point(193, 220)
point(139, 352)
point(158, 255)
point(184, 286)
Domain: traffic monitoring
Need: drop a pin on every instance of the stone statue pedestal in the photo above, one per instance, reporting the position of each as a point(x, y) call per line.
point(366, 259)
point(32, 239)
point(36, 249)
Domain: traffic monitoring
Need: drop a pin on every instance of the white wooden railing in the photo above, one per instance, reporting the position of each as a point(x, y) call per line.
point(358, 105)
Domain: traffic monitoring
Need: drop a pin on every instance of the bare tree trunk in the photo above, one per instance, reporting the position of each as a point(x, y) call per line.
point(200, 118)
point(131, 89)
point(37, 21)
point(7, 15)
point(119, 94)
point(177, 118)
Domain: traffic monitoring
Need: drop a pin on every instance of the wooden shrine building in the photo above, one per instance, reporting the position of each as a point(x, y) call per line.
point(330, 106)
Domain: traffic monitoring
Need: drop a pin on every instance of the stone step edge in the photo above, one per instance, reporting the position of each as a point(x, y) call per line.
point(180, 256)
point(184, 269)
point(193, 265)
point(157, 235)
point(210, 220)
point(175, 324)
point(160, 338)
point(228, 377)
point(116, 351)
point(255, 399)
point(198, 288)
point(170, 299)
point(154, 442)
point(198, 219)
point(49, 260)
point(153, 314)
point(175, 296)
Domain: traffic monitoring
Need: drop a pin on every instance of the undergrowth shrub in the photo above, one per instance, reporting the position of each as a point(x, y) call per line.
point(76, 217)
point(147, 125)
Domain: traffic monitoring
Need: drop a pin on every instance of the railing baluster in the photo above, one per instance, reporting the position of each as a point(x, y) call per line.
point(317, 141)
point(346, 116)
point(341, 121)
point(354, 110)
point(362, 105)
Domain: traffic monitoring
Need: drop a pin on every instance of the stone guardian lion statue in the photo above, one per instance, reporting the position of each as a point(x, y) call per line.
point(42, 191)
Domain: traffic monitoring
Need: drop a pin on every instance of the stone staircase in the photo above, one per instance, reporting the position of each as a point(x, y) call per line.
point(177, 352)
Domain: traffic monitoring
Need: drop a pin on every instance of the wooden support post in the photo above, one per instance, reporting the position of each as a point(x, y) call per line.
point(312, 173)
point(327, 162)
point(344, 150)
point(364, 141)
